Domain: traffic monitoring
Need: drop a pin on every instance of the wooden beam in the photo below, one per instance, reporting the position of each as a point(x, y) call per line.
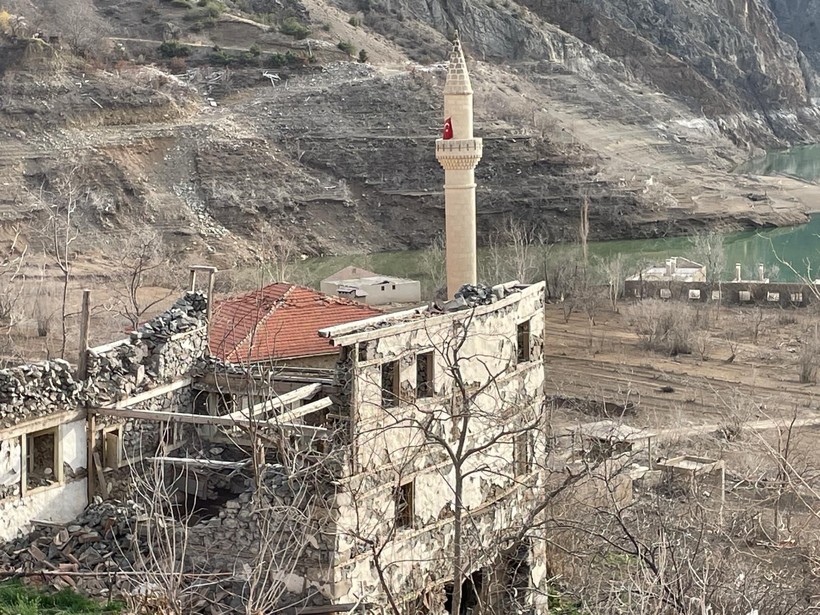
point(202, 419)
point(205, 463)
point(41, 423)
point(301, 411)
point(101, 482)
point(277, 402)
point(91, 444)
point(85, 323)
point(151, 394)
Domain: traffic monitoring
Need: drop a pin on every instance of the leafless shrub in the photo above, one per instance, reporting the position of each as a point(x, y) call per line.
point(664, 327)
point(786, 317)
point(808, 359)
point(703, 343)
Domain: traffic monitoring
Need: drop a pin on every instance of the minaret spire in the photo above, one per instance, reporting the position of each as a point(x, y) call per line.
point(458, 152)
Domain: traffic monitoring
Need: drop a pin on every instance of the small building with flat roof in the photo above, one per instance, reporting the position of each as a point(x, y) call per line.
point(371, 288)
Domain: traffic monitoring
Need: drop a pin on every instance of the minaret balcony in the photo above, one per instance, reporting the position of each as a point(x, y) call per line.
point(459, 154)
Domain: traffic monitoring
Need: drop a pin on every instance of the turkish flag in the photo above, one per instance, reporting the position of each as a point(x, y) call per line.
point(448, 128)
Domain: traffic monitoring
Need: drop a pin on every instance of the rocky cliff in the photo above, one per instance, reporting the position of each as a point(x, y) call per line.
point(267, 128)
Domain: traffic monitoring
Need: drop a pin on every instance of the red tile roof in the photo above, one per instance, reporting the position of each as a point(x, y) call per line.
point(280, 321)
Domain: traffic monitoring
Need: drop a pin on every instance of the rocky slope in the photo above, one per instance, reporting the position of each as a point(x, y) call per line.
point(641, 107)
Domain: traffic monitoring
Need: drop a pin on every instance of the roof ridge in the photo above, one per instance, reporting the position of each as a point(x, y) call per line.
point(277, 303)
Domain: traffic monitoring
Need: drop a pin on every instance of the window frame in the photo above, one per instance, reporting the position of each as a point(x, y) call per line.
point(523, 348)
point(57, 460)
point(522, 454)
point(429, 384)
point(404, 517)
point(391, 398)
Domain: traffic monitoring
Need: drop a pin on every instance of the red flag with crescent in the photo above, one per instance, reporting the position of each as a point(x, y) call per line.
point(448, 128)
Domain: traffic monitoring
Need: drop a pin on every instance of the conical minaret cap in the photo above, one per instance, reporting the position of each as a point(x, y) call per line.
point(458, 80)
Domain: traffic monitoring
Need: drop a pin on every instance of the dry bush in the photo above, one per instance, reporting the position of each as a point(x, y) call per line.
point(665, 327)
point(808, 359)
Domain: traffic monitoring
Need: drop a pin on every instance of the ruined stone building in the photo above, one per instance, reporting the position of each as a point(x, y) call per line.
point(355, 459)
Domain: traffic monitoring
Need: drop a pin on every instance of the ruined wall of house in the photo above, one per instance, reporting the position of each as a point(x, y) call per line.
point(390, 448)
point(284, 525)
point(58, 502)
point(160, 352)
point(772, 294)
point(37, 390)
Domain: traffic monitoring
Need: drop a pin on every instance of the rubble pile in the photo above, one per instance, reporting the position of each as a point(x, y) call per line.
point(37, 389)
point(475, 294)
point(101, 540)
point(187, 314)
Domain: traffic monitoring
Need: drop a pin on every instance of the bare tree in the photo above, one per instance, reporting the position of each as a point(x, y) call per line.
point(11, 280)
point(512, 254)
point(60, 233)
point(710, 251)
point(613, 270)
point(434, 265)
point(142, 259)
point(583, 229)
point(78, 23)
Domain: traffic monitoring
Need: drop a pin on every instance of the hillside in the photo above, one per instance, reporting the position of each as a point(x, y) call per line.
point(255, 124)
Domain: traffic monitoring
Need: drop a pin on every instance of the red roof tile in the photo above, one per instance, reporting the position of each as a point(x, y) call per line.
point(280, 321)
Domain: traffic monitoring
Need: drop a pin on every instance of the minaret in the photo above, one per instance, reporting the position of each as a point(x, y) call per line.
point(458, 153)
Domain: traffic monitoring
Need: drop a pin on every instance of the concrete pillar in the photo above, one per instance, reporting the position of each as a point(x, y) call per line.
point(458, 157)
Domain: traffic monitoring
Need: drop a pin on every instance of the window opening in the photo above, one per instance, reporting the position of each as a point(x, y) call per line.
point(390, 384)
point(424, 374)
point(42, 464)
point(522, 454)
point(403, 500)
point(523, 337)
point(112, 447)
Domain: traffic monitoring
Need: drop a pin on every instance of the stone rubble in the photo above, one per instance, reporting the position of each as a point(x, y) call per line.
point(100, 540)
point(39, 389)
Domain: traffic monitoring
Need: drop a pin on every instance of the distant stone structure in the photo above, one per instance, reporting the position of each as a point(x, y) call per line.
point(371, 288)
point(684, 280)
point(674, 269)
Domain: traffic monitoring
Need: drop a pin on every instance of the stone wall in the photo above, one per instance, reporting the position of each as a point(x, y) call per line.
point(161, 351)
point(37, 390)
point(391, 451)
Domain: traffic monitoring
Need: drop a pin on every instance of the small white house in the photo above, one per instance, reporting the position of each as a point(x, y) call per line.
point(371, 288)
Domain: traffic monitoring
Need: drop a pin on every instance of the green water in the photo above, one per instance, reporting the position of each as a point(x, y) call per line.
point(799, 246)
point(802, 161)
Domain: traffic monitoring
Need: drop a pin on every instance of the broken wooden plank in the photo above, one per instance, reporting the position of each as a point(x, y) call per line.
point(280, 401)
point(205, 463)
point(203, 419)
point(102, 483)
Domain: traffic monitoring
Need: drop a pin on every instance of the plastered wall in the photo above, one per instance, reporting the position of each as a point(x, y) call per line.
point(59, 502)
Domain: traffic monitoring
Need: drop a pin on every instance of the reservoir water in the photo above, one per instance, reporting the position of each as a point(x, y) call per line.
point(799, 246)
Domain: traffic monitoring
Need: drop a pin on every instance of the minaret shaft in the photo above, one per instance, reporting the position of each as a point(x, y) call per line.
point(459, 157)
point(460, 223)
